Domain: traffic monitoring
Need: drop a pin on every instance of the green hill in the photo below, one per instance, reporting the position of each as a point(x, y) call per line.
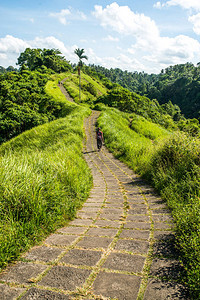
point(44, 178)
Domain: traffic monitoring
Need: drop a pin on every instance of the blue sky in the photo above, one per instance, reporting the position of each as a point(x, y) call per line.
point(145, 35)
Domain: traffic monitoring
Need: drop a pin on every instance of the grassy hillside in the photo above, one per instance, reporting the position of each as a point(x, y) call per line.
point(44, 179)
point(91, 88)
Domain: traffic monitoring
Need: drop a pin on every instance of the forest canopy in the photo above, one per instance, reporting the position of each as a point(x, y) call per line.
point(41, 59)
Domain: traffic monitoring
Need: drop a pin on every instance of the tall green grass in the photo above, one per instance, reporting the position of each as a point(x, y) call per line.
point(62, 106)
point(72, 87)
point(172, 164)
point(126, 144)
point(148, 129)
point(175, 172)
point(44, 179)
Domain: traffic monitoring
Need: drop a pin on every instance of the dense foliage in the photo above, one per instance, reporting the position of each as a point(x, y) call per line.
point(43, 59)
point(24, 103)
point(38, 180)
point(5, 70)
point(167, 115)
point(179, 84)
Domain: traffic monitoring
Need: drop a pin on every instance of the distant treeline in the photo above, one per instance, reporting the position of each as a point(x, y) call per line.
point(9, 69)
point(179, 84)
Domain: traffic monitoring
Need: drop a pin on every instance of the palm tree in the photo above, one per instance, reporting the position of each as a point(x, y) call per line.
point(80, 54)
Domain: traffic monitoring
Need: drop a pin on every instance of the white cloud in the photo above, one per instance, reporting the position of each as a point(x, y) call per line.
point(158, 5)
point(61, 16)
point(65, 15)
point(186, 4)
point(12, 45)
point(147, 44)
point(111, 39)
point(125, 21)
point(195, 20)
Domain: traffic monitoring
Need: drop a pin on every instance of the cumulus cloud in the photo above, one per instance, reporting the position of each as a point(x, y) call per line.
point(11, 47)
point(186, 4)
point(61, 16)
point(125, 21)
point(12, 44)
point(65, 15)
point(148, 46)
point(195, 20)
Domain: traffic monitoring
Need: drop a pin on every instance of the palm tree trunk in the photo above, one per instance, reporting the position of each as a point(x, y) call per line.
point(79, 73)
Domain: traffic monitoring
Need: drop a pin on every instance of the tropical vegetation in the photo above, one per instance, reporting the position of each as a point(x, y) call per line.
point(179, 84)
point(43, 174)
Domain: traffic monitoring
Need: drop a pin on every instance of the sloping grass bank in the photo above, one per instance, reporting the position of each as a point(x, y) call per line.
point(171, 162)
point(44, 179)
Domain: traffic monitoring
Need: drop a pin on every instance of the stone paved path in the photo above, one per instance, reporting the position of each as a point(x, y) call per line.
point(120, 246)
point(63, 90)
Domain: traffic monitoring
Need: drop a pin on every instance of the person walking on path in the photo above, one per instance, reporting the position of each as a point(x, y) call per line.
point(99, 136)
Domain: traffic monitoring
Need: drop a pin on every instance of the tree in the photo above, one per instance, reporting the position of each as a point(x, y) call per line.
point(38, 58)
point(80, 54)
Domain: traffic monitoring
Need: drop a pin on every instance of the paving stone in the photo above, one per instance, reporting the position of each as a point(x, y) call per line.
point(137, 225)
point(135, 234)
point(114, 195)
point(86, 215)
point(138, 211)
point(160, 211)
point(155, 199)
point(82, 257)
point(167, 268)
point(94, 242)
point(114, 205)
point(8, 293)
point(135, 193)
point(157, 205)
point(140, 247)
point(72, 230)
point(112, 217)
point(105, 223)
point(158, 290)
point(135, 201)
point(39, 294)
point(165, 248)
point(163, 226)
point(124, 262)
point(43, 253)
point(91, 204)
point(112, 211)
point(138, 218)
point(81, 222)
point(115, 202)
point(118, 286)
point(136, 205)
point(66, 278)
point(96, 199)
point(60, 240)
point(102, 232)
point(89, 209)
point(22, 272)
point(163, 235)
point(162, 218)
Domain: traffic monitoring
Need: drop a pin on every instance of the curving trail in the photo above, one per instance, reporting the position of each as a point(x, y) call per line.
point(120, 246)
